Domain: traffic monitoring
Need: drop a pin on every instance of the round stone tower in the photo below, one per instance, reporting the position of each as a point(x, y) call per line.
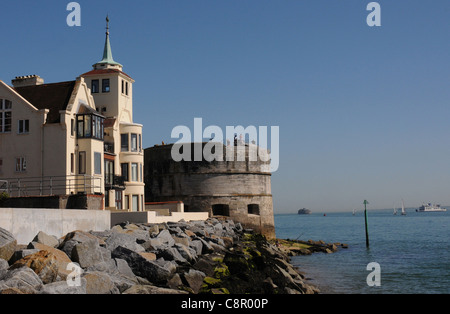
point(239, 187)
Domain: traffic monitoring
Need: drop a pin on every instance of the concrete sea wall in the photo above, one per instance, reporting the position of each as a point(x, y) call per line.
point(25, 223)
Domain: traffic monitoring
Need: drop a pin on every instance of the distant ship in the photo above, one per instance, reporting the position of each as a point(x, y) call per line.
point(304, 211)
point(431, 208)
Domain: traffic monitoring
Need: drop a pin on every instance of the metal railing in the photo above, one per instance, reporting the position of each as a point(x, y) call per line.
point(52, 185)
point(113, 182)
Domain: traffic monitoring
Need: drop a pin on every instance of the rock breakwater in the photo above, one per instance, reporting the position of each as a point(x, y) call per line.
point(200, 257)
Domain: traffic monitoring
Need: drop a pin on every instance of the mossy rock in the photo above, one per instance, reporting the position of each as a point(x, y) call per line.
point(221, 271)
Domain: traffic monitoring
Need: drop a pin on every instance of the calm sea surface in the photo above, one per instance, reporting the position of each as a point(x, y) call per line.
point(413, 251)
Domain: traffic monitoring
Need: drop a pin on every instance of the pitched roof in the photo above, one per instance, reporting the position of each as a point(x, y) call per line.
point(109, 122)
point(54, 97)
point(105, 71)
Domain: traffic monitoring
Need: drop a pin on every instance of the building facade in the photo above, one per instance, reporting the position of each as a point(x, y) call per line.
point(73, 137)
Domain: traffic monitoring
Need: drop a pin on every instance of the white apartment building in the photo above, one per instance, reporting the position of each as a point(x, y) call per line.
point(73, 137)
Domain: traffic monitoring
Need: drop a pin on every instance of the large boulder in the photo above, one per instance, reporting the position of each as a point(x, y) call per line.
point(99, 283)
point(62, 260)
point(166, 238)
point(21, 253)
point(3, 264)
point(82, 236)
point(89, 253)
point(46, 239)
point(147, 289)
point(194, 279)
point(124, 240)
point(61, 287)
point(154, 271)
point(43, 263)
point(23, 280)
point(7, 244)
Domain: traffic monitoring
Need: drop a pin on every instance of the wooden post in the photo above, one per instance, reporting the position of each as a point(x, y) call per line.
point(367, 227)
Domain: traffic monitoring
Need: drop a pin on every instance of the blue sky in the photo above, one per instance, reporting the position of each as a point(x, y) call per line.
point(362, 111)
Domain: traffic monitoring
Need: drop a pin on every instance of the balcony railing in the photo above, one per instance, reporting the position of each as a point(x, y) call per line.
point(109, 148)
point(54, 185)
point(113, 182)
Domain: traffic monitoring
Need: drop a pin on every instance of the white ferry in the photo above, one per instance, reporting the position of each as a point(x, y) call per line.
point(431, 208)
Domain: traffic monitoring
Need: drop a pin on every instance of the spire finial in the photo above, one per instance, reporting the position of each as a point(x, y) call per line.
point(107, 54)
point(107, 24)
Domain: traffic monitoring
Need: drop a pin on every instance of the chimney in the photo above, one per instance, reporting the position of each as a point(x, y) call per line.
point(29, 80)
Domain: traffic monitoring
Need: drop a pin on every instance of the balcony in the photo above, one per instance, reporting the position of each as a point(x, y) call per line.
point(113, 182)
point(109, 148)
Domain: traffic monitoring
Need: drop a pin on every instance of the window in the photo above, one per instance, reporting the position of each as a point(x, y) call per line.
point(94, 86)
point(126, 202)
point(87, 125)
point(1, 165)
point(253, 209)
point(124, 142)
point(72, 163)
point(106, 198)
point(119, 199)
point(221, 210)
point(21, 164)
point(109, 172)
point(97, 163)
point(124, 168)
point(134, 172)
point(135, 204)
point(140, 143)
point(97, 127)
point(134, 143)
point(141, 173)
point(72, 127)
point(105, 86)
point(90, 126)
point(23, 126)
point(82, 162)
point(5, 115)
point(124, 87)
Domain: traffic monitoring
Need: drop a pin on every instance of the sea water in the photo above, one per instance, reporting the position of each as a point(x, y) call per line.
point(413, 251)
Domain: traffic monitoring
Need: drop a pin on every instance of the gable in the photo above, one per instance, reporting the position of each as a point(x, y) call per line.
point(8, 92)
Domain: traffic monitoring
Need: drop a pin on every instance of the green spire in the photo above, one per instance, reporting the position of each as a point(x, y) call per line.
point(107, 53)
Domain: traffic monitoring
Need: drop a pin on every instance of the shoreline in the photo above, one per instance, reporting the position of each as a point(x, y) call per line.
point(200, 257)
